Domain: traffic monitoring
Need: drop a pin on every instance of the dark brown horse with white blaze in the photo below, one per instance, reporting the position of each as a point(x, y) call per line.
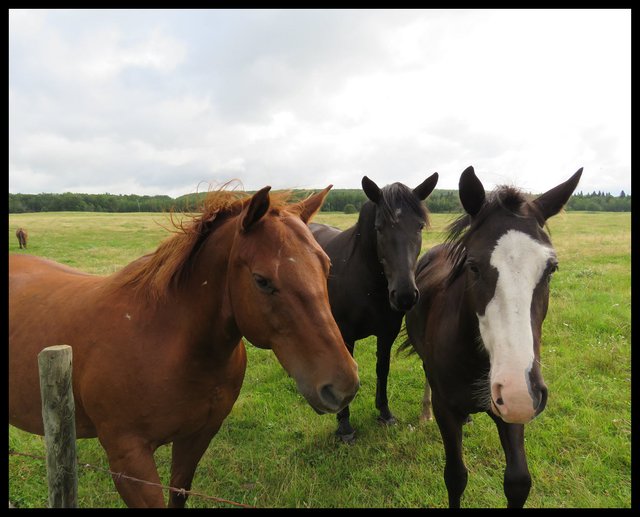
point(477, 327)
point(157, 347)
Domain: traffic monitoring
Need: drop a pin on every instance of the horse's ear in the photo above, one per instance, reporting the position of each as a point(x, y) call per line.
point(471, 191)
point(312, 204)
point(258, 206)
point(552, 201)
point(371, 189)
point(426, 187)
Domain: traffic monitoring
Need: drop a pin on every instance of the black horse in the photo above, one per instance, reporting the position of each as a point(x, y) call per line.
point(484, 294)
point(371, 281)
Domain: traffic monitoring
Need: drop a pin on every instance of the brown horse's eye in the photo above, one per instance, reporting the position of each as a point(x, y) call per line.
point(264, 284)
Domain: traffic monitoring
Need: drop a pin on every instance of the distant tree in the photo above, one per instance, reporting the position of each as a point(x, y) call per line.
point(339, 200)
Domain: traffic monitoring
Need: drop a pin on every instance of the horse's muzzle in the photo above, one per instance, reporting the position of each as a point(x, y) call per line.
point(403, 302)
point(334, 399)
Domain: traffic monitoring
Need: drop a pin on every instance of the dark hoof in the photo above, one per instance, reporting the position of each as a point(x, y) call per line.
point(349, 438)
point(468, 420)
point(387, 421)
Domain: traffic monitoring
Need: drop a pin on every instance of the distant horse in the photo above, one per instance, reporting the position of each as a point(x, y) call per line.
point(22, 236)
point(371, 283)
point(157, 347)
point(477, 327)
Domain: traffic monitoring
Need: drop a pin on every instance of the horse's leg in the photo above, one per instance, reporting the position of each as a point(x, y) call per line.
point(455, 472)
point(185, 456)
point(426, 398)
point(517, 479)
point(383, 356)
point(134, 457)
point(345, 432)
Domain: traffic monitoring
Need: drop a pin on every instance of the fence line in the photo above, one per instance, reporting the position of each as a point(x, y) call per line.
point(120, 475)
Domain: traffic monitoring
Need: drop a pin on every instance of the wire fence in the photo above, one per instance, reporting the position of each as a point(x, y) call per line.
point(120, 475)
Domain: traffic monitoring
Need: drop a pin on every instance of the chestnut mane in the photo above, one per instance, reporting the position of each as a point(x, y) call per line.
point(155, 273)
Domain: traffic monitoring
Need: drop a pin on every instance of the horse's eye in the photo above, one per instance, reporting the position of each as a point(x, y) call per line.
point(473, 267)
point(551, 269)
point(264, 284)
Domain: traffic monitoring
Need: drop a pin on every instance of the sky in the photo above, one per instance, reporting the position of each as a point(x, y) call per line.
point(176, 101)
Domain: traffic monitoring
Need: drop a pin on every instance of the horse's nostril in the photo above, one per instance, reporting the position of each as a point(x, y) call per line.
point(542, 400)
point(329, 397)
point(404, 300)
point(496, 393)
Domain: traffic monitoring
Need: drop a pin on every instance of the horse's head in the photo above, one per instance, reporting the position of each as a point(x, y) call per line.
point(509, 260)
point(278, 288)
point(399, 220)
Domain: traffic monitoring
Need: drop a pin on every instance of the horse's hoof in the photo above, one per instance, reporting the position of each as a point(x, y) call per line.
point(348, 438)
point(387, 421)
point(468, 420)
point(426, 418)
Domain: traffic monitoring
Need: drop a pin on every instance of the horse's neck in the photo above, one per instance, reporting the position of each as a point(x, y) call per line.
point(468, 325)
point(206, 288)
point(194, 306)
point(365, 244)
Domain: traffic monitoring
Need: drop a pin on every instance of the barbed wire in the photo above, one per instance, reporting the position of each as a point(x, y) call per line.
point(120, 475)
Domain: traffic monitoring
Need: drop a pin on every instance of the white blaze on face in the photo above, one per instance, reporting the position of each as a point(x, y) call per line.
point(505, 326)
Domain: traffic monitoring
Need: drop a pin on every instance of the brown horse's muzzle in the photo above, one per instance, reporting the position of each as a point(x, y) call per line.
point(332, 396)
point(337, 399)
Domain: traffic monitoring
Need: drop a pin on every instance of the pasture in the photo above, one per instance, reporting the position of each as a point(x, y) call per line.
point(274, 451)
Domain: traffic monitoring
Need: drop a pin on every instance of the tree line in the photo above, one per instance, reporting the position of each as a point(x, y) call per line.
point(338, 200)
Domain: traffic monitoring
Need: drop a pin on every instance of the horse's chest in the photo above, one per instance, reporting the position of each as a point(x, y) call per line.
point(201, 403)
point(358, 299)
point(460, 378)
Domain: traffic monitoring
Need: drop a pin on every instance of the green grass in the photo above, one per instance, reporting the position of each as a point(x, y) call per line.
point(274, 451)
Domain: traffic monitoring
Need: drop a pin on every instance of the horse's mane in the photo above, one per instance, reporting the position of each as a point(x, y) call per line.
point(503, 198)
point(153, 274)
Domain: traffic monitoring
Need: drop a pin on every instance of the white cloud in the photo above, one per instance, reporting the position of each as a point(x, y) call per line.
point(162, 100)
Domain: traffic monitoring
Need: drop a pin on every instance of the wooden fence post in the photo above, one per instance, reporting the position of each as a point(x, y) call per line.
point(58, 415)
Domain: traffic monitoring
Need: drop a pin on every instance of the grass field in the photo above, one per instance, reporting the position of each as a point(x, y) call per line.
point(274, 451)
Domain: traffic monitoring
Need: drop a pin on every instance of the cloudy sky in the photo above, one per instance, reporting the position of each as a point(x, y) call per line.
point(171, 101)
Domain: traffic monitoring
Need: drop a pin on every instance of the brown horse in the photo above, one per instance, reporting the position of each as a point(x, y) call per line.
point(22, 235)
point(477, 326)
point(157, 347)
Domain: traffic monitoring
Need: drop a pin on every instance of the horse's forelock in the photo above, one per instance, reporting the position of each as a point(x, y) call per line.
point(504, 197)
point(398, 195)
